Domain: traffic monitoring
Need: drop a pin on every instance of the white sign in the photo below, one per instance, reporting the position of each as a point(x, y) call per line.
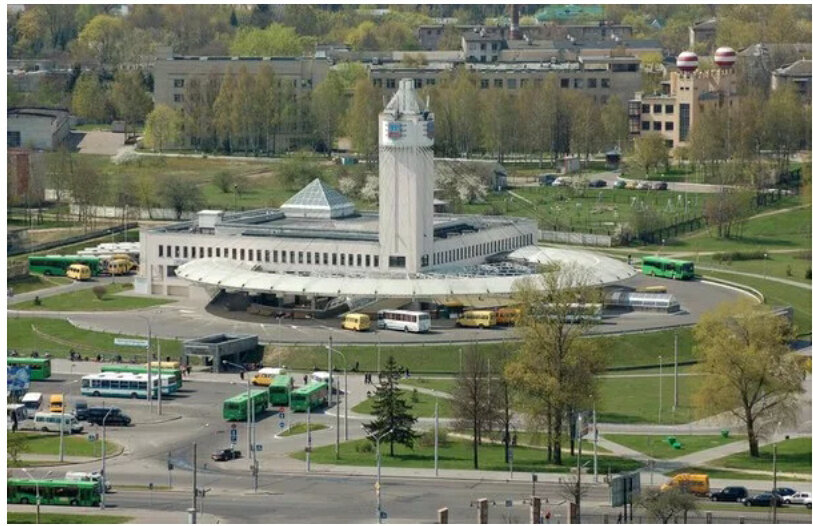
point(129, 342)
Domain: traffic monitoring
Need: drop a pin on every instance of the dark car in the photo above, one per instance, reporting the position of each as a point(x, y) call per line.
point(547, 179)
point(226, 454)
point(659, 186)
point(597, 183)
point(109, 416)
point(763, 499)
point(730, 494)
point(620, 184)
point(785, 492)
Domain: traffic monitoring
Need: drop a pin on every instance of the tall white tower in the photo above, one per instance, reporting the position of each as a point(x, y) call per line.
point(406, 181)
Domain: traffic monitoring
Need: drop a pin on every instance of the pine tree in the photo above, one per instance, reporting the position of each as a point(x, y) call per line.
point(391, 411)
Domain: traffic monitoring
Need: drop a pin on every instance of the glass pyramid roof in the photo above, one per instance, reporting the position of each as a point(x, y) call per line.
point(320, 201)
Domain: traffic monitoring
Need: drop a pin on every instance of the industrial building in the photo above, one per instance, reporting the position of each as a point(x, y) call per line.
point(37, 128)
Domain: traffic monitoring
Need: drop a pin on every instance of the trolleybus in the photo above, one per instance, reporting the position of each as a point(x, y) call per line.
point(667, 267)
point(132, 385)
point(40, 368)
point(142, 369)
point(313, 395)
point(279, 392)
point(236, 407)
point(58, 265)
point(53, 492)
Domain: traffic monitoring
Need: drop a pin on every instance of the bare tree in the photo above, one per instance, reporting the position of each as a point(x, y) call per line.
point(663, 506)
point(471, 404)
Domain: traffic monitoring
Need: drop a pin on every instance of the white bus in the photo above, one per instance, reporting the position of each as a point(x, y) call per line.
point(32, 403)
point(52, 422)
point(404, 320)
point(130, 385)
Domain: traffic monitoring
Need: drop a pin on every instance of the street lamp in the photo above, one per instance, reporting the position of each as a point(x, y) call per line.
point(37, 486)
point(345, 400)
point(149, 366)
point(377, 439)
point(104, 458)
point(250, 425)
point(248, 399)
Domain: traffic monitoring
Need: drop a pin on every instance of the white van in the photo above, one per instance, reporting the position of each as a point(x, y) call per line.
point(324, 376)
point(32, 403)
point(93, 476)
point(51, 422)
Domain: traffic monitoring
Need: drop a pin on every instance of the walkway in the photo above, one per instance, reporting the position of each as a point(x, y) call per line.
point(784, 281)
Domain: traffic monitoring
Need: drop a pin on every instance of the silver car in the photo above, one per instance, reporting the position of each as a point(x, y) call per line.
point(797, 498)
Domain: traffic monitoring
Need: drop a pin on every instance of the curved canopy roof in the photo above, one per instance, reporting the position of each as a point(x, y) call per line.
point(242, 276)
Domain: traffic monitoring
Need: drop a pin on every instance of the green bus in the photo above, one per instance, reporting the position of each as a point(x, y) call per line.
point(313, 395)
point(236, 407)
point(142, 369)
point(53, 492)
point(667, 267)
point(40, 367)
point(279, 392)
point(58, 265)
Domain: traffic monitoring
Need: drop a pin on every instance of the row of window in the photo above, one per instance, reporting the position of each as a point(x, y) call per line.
point(392, 83)
point(492, 247)
point(658, 126)
point(658, 108)
point(510, 83)
point(580, 83)
point(270, 256)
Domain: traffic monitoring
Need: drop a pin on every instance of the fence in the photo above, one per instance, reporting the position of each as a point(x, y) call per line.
point(70, 240)
point(576, 238)
point(699, 517)
point(134, 212)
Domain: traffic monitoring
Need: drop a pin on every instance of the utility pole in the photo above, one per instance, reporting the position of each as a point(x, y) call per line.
point(308, 443)
point(579, 472)
point(195, 476)
point(436, 436)
point(675, 406)
point(595, 446)
point(330, 371)
point(773, 493)
point(660, 387)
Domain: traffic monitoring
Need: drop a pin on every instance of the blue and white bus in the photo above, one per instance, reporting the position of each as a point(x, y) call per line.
point(125, 385)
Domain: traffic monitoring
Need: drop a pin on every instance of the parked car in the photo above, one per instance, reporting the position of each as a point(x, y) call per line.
point(546, 179)
point(808, 503)
point(785, 492)
point(763, 499)
point(660, 186)
point(730, 494)
point(797, 498)
point(561, 181)
point(619, 184)
point(109, 416)
point(223, 455)
point(597, 183)
point(643, 186)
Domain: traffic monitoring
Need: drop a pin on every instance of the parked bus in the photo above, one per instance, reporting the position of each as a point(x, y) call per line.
point(265, 376)
point(124, 384)
point(142, 369)
point(404, 320)
point(79, 272)
point(32, 402)
point(667, 267)
point(356, 321)
point(507, 316)
point(53, 492)
point(279, 392)
point(236, 407)
point(40, 368)
point(58, 265)
point(313, 395)
point(477, 318)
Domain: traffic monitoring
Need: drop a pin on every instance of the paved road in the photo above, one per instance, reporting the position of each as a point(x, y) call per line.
point(784, 281)
point(189, 319)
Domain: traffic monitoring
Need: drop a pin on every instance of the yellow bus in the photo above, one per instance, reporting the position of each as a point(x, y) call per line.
point(165, 365)
point(660, 289)
point(356, 322)
point(507, 316)
point(119, 267)
point(78, 272)
point(477, 318)
point(266, 375)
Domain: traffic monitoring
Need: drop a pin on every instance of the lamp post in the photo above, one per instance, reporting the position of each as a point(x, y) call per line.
point(149, 363)
point(344, 359)
point(62, 430)
point(104, 458)
point(330, 371)
point(660, 387)
point(764, 265)
point(249, 414)
point(378, 474)
point(37, 486)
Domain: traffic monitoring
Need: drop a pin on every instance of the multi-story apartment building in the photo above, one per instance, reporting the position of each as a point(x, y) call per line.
point(172, 74)
point(600, 76)
point(674, 112)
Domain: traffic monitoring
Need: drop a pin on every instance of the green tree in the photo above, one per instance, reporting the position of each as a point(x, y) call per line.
point(615, 122)
point(587, 132)
point(88, 188)
point(146, 191)
point(162, 128)
point(471, 406)
point(707, 141)
point(651, 150)
point(224, 110)
point(181, 195)
point(498, 118)
point(554, 371)
point(101, 41)
point(269, 104)
point(743, 25)
point(748, 367)
point(391, 411)
point(296, 171)
point(198, 112)
point(328, 105)
point(451, 40)
point(361, 118)
point(130, 97)
point(651, 72)
point(89, 99)
point(785, 125)
point(275, 40)
point(16, 445)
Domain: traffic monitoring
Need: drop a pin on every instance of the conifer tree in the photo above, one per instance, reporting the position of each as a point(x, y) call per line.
point(391, 411)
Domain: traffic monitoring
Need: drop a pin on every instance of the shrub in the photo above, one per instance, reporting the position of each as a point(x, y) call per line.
point(38, 301)
point(415, 396)
point(99, 291)
point(224, 181)
point(365, 447)
point(788, 270)
point(428, 439)
point(738, 256)
point(808, 273)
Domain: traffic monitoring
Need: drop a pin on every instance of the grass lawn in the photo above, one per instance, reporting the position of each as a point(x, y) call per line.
point(86, 300)
point(34, 282)
point(455, 454)
point(75, 446)
point(792, 456)
point(14, 517)
point(622, 351)
point(656, 446)
point(635, 400)
point(778, 294)
point(21, 337)
point(300, 428)
point(776, 265)
point(725, 474)
point(445, 385)
point(788, 230)
point(424, 407)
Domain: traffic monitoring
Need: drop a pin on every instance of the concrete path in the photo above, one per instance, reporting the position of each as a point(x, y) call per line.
point(784, 281)
point(68, 287)
point(99, 142)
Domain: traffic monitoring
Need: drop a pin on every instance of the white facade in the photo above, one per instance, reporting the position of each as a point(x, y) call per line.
point(40, 129)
